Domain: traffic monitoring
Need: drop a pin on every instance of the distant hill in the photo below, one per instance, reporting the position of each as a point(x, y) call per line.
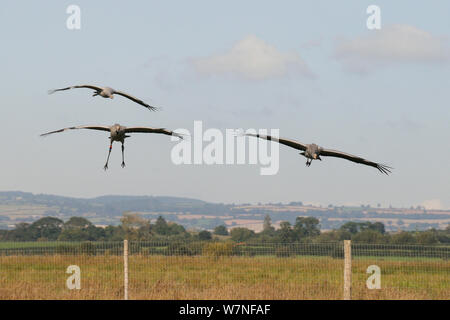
point(105, 205)
point(17, 206)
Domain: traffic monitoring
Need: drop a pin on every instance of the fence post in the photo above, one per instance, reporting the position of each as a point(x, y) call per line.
point(347, 270)
point(125, 269)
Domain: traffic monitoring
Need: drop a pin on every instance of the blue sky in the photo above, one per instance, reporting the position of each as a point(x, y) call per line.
point(311, 69)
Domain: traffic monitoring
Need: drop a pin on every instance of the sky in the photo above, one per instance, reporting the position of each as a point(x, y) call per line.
point(313, 70)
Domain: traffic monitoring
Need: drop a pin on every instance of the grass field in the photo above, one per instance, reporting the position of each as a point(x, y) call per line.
point(206, 277)
point(32, 244)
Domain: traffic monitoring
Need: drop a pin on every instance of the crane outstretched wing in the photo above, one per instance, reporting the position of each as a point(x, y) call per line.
point(102, 128)
point(291, 143)
point(153, 130)
point(142, 103)
point(75, 87)
point(339, 154)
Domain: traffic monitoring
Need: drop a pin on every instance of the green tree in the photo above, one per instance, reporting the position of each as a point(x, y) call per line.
point(114, 233)
point(175, 229)
point(285, 233)
point(306, 227)
point(443, 236)
point(351, 227)
point(77, 222)
point(161, 226)
point(368, 236)
point(80, 229)
point(204, 235)
point(355, 227)
point(47, 228)
point(403, 237)
point(377, 226)
point(72, 234)
point(427, 237)
point(241, 234)
point(221, 230)
point(267, 225)
point(334, 235)
point(89, 233)
point(134, 226)
point(20, 233)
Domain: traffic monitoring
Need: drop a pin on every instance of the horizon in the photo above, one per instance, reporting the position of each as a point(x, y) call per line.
point(287, 203)
point(22, 207)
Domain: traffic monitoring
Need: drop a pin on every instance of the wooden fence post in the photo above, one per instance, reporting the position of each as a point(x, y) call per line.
point(125, 269)
point(347, 270)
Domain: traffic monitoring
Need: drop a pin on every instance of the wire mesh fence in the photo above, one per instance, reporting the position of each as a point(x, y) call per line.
point(405, 271)
point(220, 270)
point(40, 270)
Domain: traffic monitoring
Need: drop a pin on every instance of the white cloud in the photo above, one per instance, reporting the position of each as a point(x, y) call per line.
point(435, 204)
point(253, 58)
point(391, 44)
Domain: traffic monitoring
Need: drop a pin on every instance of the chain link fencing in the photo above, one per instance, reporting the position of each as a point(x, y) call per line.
point(405, 271)
point(220, 270)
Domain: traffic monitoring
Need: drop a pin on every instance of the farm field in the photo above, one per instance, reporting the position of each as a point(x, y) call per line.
point(209, 277)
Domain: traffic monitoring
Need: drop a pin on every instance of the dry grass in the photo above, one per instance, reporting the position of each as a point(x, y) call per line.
point(202, 277)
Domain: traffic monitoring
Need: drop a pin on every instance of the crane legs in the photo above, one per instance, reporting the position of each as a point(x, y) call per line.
point(123, 156)
point(309, 160)
point(109, 153)
point(107, 160)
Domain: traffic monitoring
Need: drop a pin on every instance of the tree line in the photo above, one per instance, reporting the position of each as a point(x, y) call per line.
point(135, 227)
